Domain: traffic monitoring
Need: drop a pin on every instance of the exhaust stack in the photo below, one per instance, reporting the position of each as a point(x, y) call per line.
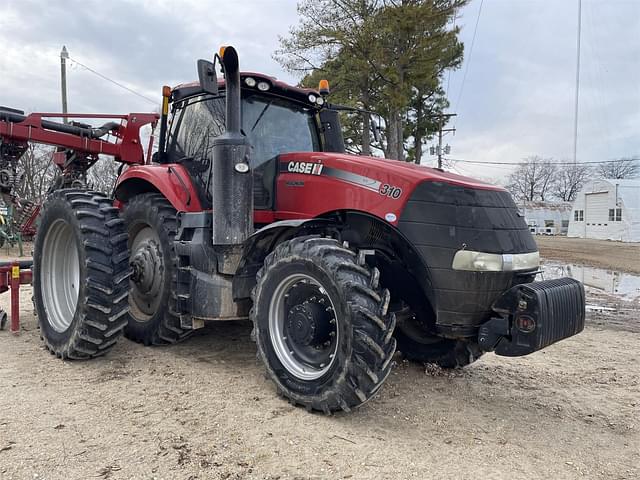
point(232, 182)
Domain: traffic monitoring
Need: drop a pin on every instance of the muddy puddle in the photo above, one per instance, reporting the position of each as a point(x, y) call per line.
point(624, 286)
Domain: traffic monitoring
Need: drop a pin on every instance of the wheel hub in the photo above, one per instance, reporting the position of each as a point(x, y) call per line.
point(148, 272)
point(303, 327)
point(307, 324)
point(146, 264)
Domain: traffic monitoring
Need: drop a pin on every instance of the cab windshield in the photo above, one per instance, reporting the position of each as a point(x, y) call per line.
point(273, 126)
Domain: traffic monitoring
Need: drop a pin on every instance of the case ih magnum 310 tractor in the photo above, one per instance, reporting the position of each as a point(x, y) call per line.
point(251, 209)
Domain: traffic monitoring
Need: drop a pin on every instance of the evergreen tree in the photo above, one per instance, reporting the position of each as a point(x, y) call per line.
point(387, 56)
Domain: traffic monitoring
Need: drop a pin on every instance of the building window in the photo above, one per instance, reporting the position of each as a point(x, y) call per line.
point(578, 215)
point(565, 223)
point(575, 216)
point(612, 214)
point(618, 214)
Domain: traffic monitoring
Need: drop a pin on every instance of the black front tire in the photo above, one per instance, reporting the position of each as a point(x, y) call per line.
point(444, 352)
point(159, 325)
point(91, 325)
point(365, 345)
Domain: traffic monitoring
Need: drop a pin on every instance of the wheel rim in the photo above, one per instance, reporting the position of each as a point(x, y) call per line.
point(147, 262)
point(60, 277)
point(303, 327)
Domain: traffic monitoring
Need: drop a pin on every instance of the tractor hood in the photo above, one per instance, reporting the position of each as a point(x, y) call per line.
point(379, 169)
point(439, 214)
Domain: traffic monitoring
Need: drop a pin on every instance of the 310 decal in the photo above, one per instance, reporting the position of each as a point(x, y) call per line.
point(390, 191)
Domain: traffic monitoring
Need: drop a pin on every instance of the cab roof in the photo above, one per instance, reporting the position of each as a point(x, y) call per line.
point(276, 86)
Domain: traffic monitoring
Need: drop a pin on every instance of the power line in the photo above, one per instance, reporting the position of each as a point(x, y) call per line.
point(466, 69)
point(479, 162)
point(104, 77)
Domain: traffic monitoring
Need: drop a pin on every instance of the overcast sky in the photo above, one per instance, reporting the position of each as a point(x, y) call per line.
point(517, 99)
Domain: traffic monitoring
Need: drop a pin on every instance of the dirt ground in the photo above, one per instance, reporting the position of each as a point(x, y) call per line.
point(203, 410)
point(596, 253)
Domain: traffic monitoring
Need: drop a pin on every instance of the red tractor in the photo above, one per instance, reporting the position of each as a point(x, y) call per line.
point(250, 209)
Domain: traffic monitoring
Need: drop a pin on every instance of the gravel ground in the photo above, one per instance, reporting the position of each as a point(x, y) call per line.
point(624, 257)
point(203, 410)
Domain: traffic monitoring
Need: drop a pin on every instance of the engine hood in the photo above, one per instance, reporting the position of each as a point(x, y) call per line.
point(383, 169)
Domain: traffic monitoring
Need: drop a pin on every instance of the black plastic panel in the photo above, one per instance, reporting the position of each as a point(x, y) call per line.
point(441, 219)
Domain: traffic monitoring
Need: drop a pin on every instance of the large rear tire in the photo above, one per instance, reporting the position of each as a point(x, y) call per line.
point(152, 225)
point(322, 325)
point(80, 274)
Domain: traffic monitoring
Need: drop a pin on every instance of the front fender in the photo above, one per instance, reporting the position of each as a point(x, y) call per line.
point(262, 242)
point(171, 180)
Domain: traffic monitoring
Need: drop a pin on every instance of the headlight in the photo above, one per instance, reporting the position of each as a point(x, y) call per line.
point(263, 86)
point(320, 101)
point(494, 262)
point(250, 82)
point(312, 98)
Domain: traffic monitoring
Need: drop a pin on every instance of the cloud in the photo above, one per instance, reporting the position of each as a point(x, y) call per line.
point(142, 44)
point(518, 98)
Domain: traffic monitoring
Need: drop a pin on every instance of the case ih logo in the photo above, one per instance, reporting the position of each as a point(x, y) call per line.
point(309, 168)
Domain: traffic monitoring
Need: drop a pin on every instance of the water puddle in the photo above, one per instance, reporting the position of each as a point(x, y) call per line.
point(622, 285)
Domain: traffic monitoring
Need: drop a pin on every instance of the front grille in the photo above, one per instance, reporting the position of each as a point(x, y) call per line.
point(440, 219)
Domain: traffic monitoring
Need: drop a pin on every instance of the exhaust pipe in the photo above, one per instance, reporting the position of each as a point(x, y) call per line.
point(232, 182)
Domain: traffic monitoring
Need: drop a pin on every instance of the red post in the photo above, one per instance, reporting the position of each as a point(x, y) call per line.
point(15, 298)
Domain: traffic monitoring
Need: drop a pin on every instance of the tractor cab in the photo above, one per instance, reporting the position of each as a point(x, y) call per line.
point(276, 118)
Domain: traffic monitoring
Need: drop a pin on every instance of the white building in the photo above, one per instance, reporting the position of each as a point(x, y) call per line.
point(607, 210)
point(547, 218)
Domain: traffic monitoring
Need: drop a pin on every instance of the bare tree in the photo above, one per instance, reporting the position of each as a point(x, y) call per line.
point(569, 181)
point(533, 179)
point(35, 172)
point(620, 168)
point(103, 174)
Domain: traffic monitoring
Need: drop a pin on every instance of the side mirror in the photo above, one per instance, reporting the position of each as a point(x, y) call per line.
point(375, 129)
point(207, 76)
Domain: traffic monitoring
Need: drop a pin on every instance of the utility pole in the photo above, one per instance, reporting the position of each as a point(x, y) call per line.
point(64, 54)
point(440, 150)
point(575, 113)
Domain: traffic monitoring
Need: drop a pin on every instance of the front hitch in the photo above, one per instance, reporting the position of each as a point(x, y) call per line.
point(534, 315)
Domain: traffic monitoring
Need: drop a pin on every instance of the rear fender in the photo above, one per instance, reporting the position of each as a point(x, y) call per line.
point(171, 180)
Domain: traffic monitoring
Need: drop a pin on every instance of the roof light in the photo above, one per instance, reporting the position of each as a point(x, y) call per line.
point(312, 98)
point(221, 51)
point(250, 82)
point(323, 87)
point(263, 86)
point(166, 91)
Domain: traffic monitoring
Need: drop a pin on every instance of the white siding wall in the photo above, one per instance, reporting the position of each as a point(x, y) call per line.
point(595, 200)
